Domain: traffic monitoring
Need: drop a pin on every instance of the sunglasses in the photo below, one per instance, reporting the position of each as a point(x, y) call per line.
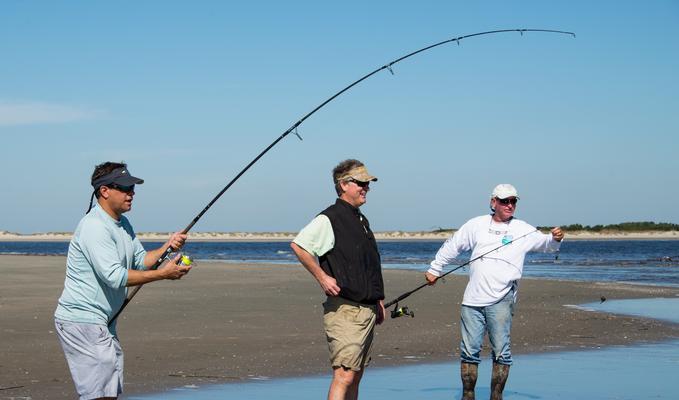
point(508, 201)
point(121, 188)
point(359, 183)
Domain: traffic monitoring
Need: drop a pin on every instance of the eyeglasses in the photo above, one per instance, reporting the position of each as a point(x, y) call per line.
point(359, 183)
point(508, 201)
point(121, 188)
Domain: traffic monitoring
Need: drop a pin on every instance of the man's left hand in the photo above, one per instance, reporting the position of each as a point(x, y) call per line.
point(177, 240)
point(430, 278)
point(557, 234)
point(381, 312)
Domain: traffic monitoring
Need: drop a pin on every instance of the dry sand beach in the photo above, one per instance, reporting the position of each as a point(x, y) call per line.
point(230, 322)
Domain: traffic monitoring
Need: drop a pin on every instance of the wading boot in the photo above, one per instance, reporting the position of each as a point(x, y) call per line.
point(498, 380)
point(469, 373)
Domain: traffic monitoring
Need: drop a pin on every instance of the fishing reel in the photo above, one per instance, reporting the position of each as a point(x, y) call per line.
point(184, 258)
point(401, 311)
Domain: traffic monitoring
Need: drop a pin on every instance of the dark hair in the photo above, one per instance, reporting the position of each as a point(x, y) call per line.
point(341, 169)
point(104, 169)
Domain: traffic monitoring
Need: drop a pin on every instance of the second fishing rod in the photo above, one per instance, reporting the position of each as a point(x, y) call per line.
point(402, 311)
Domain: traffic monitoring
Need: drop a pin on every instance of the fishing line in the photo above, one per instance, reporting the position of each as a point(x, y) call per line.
point(293, 129)
point(400, 311)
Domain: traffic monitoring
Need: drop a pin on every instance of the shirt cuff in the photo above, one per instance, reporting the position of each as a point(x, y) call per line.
point(435, 270)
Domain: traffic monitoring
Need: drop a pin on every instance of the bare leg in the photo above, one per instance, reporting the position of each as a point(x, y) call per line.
point(344, 384)
point(498, 380)
point(469, 372)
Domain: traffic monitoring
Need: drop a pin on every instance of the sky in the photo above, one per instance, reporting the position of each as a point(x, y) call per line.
point(188, 93)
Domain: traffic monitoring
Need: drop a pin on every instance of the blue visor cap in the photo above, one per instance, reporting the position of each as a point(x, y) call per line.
point(119, 176)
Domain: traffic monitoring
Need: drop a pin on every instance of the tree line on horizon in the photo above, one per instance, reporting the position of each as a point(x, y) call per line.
point(643, 226)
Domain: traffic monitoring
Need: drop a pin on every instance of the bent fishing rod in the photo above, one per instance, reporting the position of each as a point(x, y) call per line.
point(293, 129)
point(401, 311)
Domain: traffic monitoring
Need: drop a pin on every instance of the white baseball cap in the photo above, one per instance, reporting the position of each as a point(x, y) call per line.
point(504, 190)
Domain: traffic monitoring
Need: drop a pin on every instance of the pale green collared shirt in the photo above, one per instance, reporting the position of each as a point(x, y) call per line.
point(317, 237)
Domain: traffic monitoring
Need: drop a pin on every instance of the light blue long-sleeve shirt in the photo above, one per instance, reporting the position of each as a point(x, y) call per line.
point(101, 252)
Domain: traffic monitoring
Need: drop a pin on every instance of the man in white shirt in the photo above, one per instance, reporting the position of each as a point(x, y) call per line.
point(489, 297)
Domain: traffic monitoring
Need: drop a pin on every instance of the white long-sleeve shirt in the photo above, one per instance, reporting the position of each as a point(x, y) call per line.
point(492, 277)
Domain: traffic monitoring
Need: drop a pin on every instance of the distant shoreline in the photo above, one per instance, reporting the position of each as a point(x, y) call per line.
point(288, 236)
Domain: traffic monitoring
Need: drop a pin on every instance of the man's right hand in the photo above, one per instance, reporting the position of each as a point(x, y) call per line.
point(329, 285)
point(431, 278)
point(174, 269)
point(310, 262)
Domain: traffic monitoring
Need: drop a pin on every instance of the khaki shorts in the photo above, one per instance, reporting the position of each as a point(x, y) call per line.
point(349, 328)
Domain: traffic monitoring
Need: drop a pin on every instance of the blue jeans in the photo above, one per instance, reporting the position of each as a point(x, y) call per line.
point(497, 320)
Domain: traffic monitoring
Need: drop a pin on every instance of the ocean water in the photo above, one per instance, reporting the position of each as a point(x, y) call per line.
point(645, 371)
point(654, 262)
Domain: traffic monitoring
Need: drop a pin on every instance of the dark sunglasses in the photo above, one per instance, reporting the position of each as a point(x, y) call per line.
point(121, 188)
point(505, 202)
point(359, 183)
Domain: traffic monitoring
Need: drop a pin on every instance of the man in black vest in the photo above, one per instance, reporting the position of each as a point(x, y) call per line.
point(339, 250)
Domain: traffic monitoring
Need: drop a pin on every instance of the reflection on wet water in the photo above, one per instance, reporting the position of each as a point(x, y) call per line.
point(659, 308)
point(636, 372)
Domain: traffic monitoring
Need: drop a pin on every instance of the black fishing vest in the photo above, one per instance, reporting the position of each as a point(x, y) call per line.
point(354, 261)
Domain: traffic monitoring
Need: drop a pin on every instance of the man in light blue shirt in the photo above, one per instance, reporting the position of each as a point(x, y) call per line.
point(104, 258)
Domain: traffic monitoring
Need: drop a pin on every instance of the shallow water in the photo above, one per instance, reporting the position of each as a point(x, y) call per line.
point(639, 372)
point(632, 372)
point(666, 309)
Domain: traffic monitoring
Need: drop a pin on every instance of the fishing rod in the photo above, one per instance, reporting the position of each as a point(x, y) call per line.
point(401, 311)
point(293, 129)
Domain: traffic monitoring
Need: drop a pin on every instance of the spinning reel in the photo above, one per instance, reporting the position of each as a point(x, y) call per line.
point(401, 311)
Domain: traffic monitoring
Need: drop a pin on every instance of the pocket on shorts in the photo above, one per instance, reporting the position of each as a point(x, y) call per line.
point(349, 312)
point(101, 335)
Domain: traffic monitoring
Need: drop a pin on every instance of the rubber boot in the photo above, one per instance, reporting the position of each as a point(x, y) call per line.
point(469, 373)
point(498, 380)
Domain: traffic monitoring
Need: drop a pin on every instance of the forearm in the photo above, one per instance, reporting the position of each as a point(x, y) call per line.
point(176, 242)
point(445, 256)
point(554, 245)
point(135, 277)
point(545, 243)
point(309, 262)
point(153, 255)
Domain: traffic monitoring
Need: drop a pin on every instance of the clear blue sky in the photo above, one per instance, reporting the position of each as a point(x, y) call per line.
point(189, 92)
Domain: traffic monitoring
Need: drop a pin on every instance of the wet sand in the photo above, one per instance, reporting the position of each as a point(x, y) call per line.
point(232, 322)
